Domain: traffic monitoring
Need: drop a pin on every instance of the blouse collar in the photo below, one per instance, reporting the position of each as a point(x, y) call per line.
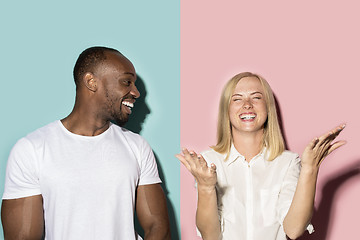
point(235, 155)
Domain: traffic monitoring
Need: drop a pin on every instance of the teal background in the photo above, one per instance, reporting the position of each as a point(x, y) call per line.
point(40, 41)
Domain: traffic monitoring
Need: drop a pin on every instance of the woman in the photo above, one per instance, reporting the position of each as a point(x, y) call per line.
point(248, 186)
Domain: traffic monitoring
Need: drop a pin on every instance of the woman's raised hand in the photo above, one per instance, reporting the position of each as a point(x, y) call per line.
point(319, 148)
point(205, 176)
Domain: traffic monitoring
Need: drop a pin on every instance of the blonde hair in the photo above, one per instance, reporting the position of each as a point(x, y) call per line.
point(272, 138)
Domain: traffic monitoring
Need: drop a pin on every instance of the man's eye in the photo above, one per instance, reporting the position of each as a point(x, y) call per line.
point(127, 82)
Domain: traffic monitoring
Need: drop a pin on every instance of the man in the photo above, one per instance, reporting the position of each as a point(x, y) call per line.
point(83, 176)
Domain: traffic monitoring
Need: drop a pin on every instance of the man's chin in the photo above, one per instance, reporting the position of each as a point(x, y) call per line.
point(121, 121)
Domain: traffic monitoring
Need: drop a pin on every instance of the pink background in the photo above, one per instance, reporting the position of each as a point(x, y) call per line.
point(309, 53)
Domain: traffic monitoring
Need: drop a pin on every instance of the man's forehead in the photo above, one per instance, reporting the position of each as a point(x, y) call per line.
point(119, 62)
point(117, 57)
point(133, 75)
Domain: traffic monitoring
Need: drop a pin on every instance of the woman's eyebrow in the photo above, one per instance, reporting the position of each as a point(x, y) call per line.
point(240, 95)
point(256, 93)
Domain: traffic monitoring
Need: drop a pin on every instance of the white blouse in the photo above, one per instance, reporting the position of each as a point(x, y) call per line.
point(254, 197)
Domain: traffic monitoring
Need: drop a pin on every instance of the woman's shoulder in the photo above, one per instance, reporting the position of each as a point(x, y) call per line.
point(288, 157)
point(211, 156)
point(289, 154)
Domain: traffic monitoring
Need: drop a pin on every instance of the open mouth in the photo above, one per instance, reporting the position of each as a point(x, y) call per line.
point(128, 105)
point(247, 116)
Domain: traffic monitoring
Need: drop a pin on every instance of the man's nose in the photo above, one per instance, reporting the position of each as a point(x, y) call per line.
point(135, 92)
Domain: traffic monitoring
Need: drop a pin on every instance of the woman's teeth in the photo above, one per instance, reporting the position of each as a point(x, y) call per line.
point(247, 116)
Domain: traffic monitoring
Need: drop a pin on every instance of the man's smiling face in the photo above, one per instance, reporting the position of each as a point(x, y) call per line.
point(117, 91)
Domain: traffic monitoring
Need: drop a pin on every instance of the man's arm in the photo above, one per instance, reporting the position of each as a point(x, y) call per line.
point(23, 218)
point(152, 212)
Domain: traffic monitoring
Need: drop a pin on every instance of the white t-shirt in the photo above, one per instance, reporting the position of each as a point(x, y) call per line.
point(88, 183)
point(254, 197)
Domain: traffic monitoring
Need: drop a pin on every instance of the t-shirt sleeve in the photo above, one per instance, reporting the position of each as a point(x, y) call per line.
point(149, 171)
point(288, 190)
point(22, 175)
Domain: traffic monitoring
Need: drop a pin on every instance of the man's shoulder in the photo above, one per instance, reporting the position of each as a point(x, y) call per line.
point(125, 132)
point(35, 138)
point(42, 132)
point(128, 135)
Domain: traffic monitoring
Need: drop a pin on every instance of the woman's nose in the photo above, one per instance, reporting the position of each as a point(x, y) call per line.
point(247, 104)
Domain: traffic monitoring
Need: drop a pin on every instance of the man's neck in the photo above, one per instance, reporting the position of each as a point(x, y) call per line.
point(84, 124)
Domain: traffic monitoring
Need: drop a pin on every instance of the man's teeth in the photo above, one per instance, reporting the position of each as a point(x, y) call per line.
point(247, 116)
point(128, 104)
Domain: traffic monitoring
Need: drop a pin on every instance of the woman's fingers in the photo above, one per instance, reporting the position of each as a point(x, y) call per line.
point(213, 168)
point(201, 160)
point(186, 159)
point(190, 157)
point(312, 144)
point(329, 136)
point(324, 145)
point(183, 161)
point(191, 160)
point(334, 133)
point(336, 145)
point(197, 166)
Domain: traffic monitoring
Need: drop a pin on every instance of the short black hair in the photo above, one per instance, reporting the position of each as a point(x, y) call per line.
point(88, 60)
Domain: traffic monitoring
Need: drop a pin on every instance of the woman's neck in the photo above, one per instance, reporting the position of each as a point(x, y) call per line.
point(248, 144)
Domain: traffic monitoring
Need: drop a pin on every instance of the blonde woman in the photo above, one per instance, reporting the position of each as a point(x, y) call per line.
point(249, 187)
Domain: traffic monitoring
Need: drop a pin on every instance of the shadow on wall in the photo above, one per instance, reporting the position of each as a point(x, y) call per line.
point(140, 110)
point(136, 120)
point(322, 218)
point(171, 211)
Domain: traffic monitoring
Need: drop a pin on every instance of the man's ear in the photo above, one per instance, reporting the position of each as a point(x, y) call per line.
point(90, 82)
